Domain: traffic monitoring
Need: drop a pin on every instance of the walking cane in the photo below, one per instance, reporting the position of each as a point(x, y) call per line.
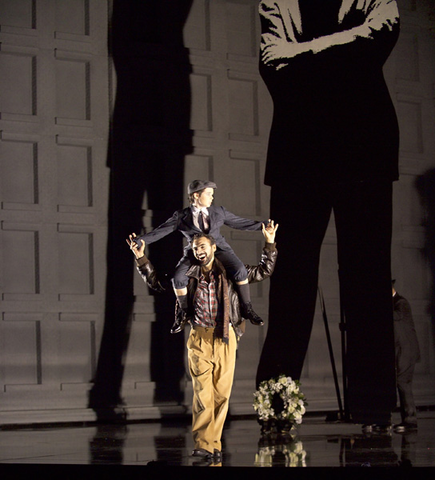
point(331, 354)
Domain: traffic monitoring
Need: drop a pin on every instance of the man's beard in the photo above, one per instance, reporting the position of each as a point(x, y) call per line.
point(204, 260)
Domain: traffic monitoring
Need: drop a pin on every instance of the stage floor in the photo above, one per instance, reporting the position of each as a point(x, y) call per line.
point(316, 443)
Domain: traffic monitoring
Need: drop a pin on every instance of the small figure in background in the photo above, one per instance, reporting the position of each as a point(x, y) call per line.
point(407, 355)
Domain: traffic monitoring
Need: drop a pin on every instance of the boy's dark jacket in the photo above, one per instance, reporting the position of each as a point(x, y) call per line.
point(182, 220)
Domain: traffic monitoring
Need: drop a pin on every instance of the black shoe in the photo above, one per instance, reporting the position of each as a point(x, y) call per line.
point(248, 313)
point(202, 453)
point(180, 321)
point(217, 456)
point(405, 427)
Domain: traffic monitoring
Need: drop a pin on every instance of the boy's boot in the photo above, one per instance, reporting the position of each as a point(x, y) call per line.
point(246, 306)
point(181, 314)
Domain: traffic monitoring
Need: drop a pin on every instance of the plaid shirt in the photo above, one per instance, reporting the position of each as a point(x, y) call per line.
point(205, 303)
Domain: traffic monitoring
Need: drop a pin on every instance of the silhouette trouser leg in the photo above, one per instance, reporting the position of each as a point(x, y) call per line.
point(363, 217)
point(303, 214)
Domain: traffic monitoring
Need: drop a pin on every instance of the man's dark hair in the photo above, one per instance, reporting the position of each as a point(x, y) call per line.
point(209, 237)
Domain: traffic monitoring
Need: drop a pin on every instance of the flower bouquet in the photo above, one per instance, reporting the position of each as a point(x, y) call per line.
point(279, 404)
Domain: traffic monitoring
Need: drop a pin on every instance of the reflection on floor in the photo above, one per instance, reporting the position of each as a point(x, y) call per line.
point(315, 443)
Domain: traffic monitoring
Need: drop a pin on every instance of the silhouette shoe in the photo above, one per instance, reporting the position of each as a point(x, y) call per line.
point(376, 428)
point(405, 427)
point(382, 427)
point(180, 321)
point(248, 313)
point(367, 428)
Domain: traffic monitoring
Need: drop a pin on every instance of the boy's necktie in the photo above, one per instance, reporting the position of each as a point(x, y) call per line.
point(203, 224)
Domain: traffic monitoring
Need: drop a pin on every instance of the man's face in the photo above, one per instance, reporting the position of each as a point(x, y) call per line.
point(205, 198)
point(203, 250)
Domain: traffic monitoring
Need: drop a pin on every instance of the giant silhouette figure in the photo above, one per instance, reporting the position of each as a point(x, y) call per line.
point(333, 147)
point(149, 138)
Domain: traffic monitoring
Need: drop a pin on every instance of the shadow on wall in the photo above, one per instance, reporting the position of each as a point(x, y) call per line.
point(149, 139)
point(426, 188)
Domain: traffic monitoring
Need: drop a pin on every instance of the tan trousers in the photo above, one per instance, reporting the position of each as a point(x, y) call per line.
point(211, 366)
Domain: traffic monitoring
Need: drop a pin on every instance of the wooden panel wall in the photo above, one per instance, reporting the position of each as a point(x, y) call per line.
point(53, 147)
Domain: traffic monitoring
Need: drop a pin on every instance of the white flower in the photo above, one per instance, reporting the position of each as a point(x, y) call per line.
point(288, 390)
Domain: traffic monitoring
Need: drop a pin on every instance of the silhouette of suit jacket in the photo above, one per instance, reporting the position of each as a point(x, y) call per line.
point(333, 116)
